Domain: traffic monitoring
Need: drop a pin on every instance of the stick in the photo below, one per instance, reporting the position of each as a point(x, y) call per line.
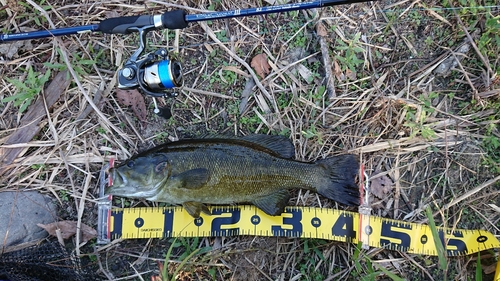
point(330, 86)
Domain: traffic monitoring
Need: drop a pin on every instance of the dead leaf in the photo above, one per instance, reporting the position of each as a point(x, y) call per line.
point(134, 99)
point(261, 66)
point(338, 71)
point(380, 186)
point(111, 14)
point(351, 75)
point(236, 70)
point(15, 6)
point(68, 229)
point(12, 50)
point(321, 30)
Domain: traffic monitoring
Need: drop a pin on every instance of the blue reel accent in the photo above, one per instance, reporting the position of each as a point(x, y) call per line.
point(165, 74)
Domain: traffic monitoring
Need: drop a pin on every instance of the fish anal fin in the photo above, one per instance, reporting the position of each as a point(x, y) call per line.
point(195, 208)
point(273, 204)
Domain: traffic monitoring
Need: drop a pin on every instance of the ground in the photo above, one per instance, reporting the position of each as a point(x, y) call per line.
point(411, 88)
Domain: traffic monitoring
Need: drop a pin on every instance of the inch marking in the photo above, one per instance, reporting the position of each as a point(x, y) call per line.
point(304, 222)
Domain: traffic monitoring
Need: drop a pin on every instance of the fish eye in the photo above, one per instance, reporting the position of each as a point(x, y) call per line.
point(160, 167)
point(130, 164)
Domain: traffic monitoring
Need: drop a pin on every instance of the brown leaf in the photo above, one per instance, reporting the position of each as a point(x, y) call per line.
point(261, 66)
point(134, 99)
point(321, 30)
point(111, 14)
point(351, 75)
point(489, 269)
point(68, 229)
point(338, 71)
point(380, 186)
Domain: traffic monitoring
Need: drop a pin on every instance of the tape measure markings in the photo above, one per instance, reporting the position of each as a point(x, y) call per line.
point(304, 222)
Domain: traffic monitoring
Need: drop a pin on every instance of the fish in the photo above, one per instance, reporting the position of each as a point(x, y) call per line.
point(257, 169)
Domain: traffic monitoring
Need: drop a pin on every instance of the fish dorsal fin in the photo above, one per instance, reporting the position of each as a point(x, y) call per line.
point(193, 179)
point(195, 208)
point(273, 204)
point(279, 144)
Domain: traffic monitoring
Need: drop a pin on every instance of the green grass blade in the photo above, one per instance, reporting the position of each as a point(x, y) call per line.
point(437, 241)
point(181, 265)
point(479, 270)
point(164, 273)
point(390, 274)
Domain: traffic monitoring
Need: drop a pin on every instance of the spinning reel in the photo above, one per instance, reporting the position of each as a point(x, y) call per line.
point(154, 73)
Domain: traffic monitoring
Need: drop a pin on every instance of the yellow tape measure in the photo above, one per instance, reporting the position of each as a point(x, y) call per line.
point(305, 222)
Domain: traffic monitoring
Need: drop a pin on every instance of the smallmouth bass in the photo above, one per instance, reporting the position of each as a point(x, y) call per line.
point(258, 169)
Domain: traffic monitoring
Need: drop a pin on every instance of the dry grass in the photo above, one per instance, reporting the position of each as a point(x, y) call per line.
point(391, 100)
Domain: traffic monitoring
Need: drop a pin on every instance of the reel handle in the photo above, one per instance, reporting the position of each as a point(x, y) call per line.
point(123, 25)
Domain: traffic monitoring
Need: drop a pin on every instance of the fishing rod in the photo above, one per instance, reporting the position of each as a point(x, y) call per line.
point(153, 72)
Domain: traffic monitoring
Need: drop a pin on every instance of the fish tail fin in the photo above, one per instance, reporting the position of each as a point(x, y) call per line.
point(339, 184)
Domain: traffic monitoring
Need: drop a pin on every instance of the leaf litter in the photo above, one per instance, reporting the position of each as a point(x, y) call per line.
point(69, 229)
point(261, 66)
point(380, 185)
point(134, 99)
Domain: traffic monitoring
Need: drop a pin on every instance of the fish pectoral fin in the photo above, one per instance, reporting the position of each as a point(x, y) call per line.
point(193, 179)
point(273, 204)
point(195, 208)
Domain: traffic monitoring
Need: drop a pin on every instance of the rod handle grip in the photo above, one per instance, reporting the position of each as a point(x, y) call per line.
point(174, 19)
point(121, 25)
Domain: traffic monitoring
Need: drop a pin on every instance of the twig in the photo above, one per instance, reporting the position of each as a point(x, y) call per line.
point(473, 44)
point(208, 93)
point(88, 109)
point(64, 54)
point(258, 268)
point(471, 192)
point(321, 31)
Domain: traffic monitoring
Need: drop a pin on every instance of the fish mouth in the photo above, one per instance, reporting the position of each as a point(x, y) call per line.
point(104, 179)
point(115, 181)
point(125, 187)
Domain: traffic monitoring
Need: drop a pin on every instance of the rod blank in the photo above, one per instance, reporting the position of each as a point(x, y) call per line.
point(172, 20)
